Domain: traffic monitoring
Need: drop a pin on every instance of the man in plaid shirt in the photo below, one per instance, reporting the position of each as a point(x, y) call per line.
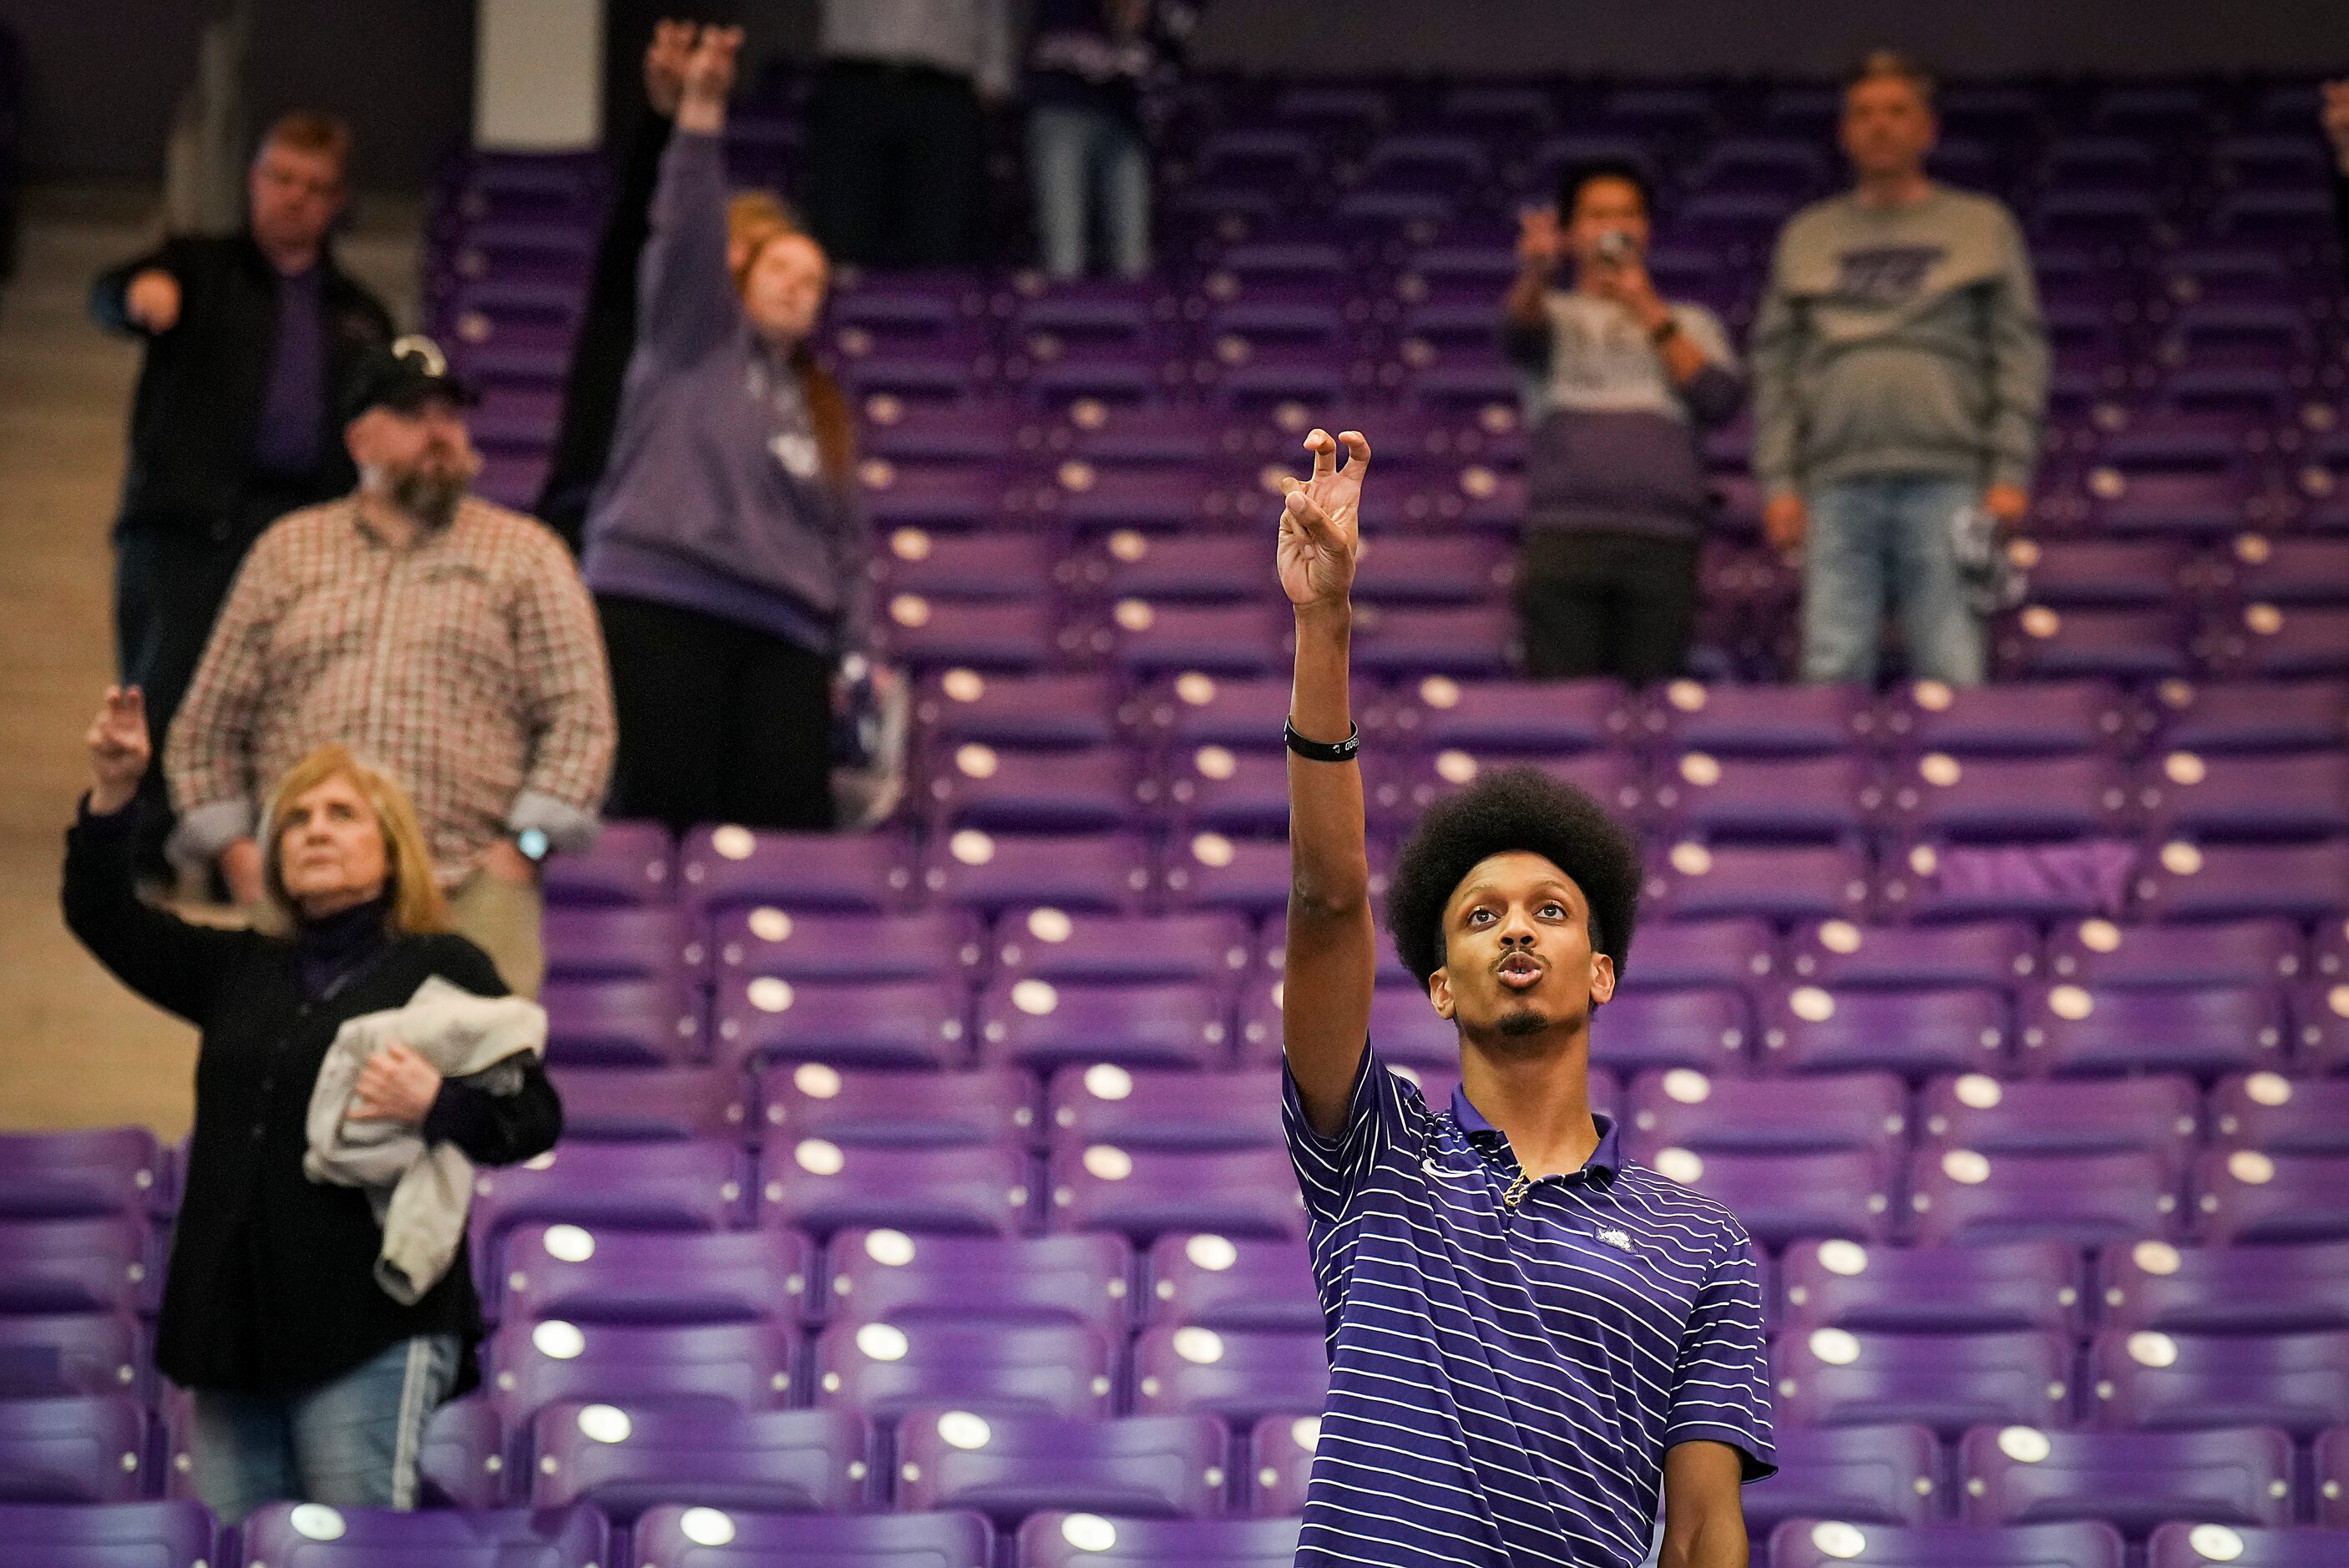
point(446, 640)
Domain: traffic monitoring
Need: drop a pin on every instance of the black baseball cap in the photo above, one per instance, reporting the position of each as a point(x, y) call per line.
point(402, 376)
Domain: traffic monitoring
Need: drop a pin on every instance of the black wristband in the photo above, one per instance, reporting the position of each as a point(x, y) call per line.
point(1321, 751)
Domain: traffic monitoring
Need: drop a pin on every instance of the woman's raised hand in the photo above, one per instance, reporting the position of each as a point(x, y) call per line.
point(118, 749)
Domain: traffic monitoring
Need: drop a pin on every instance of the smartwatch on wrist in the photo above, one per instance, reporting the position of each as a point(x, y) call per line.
point(531, 842)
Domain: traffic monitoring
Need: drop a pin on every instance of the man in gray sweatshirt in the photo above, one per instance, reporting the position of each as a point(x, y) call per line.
point(1899, 372)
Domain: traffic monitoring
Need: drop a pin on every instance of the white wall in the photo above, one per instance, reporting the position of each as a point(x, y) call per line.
point(538, 78)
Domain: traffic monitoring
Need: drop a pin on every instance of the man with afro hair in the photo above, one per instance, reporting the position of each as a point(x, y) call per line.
point(1534, 1341)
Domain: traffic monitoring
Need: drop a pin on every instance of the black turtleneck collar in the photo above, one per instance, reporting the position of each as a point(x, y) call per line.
point(331, 950)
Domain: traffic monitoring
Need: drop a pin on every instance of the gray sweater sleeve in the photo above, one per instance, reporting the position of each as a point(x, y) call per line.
point(687, 305)
point(2019, 366)
point(1771, 354)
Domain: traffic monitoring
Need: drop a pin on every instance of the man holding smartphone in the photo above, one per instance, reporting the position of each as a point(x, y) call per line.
point(1620, 384)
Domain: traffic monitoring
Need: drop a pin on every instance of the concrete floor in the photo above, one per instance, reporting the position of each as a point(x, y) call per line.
point(78, 1049)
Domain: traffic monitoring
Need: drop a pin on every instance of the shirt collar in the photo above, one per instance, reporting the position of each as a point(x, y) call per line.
point(1607, 1156)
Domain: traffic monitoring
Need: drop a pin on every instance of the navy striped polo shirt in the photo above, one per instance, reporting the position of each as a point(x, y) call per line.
point(1503, 1381)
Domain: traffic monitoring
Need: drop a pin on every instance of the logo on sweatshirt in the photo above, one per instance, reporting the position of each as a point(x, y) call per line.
point(1884, 275)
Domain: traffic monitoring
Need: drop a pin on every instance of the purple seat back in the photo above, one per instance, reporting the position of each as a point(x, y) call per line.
point(976, 785)
point(1146, 1193)
point(628, 1105)
point(1810, 1028)
point(882, 1106)
point(2022, 1475)
point(1709, 1029)
point(623, 1459)
point(2042, 718)
point(1781, 1194)
point(463, 1462)
point(1210, 871)
point(1767, 799)
point(54, 1354)
point(678, 1535)
point(596, 1275)
point(2216, 953)
point(1023, 710)
point(1866, 1475)
point(1962, 1195)
point(1822, 1543)
point(630, 863)
point(1226, 1283)
point(974, 870)
point(642, 1023)
point(680, 1186)
point(72, 1450)
point(1687, 1109)
point(1495, 717)
point(818, 1186)
point(1993, 1288)
point(2151, 1378)
point(175, 1534)
point(1838, 1377)
point(2151, 1284)
point(739, 1365)
point(728, 868)
point(1676, 954)
point(2205, 1030)
point(619, 943)
point(2280, 1115)
point(2249, 1195)
point(2158, 1115)
point(889, 1276)
point(847, 1024)
point(1053, 944)
point(1240, 1374)
point(80, 1175)
point(1009, 1466)
point(1041, 1026)
point(1198, 1110)
point(75, 1265)
point(1696, 882)
point(312, 1535)
point(831, 944)
point(1841, 955)
point(2234, 882)
point(1760, 721)
point(1055, 1540)
point(884, 1369)
point(2179, 1545)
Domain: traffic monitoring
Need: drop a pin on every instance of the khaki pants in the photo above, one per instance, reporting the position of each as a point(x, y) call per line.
point(502, 918)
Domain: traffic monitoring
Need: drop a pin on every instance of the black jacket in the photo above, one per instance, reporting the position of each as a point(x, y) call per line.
point(272, 1284)
point(198, 407)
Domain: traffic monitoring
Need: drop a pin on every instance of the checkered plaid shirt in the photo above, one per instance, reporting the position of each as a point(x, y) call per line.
point(468, 664)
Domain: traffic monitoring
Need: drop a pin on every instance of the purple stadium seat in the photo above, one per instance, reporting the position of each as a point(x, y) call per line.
point(1040, 1025)
point(622, 1023)
point(1708, 1028)
point(2249, 1195)
point(2045, 719)
point(629, 1105)
point(1068, 1540)
point(1017, 711)
point(884, 1369)
point(2136, 1480)
point(2093, 644)
point(2187, 882)
point(965, 566)
point(1867, 1475)
point(1146, 1193)
point(1772, 800)
point(885, 1024)
point(2204, 1030)
point(81, 1174)
point(1503, 716)
point(618, 942)
point(2247, 797)
point(1687, 1109)
point(2280, 1115)
point(2320, 1020)
point(885, 1106)
point(1844, 957)
point(1240, 1374)
point(1105, 1103)
point(75, 1265)
point(1812, 1029)
point(816, 1185)
point(975, 870)
point(57, 1354)
point(729, 868)
point(1760, 721)
point(1013, 637)
point(1281, 1448)
point(1402, 570)
point(1226, 1283)
point(1052, 791)
point(72, 1450)
point(2152, 1378)
point(312, 1535)
point(1836, 1377)
point(1962, 1195)
point(2253, 715)
point(2224, 1290)
point(1989, 1287)
point(2286, 643)
point(1696, 882)
point(973, 430)
point(2074, 573)
point(1928, 882)
point(1400, 793)
point(1782, 1194)
point(678, 1537)
point(1046, 944)
point(741, 1366)
point(1009, 1466)
point(1208, 871)
point(464, 1458)
point(600, 1276)
point(1174, 567)
point(2211, 953)
point(2156, 1115)
point(833, 944)
point(1150, 637)
point(1471, 642)
point(1821, 1544)
point(1676, 955)
point(2007, 799)
point(1216, 788)
point(174, 1534)
point(1200, 710)
point(2292, 571)
point(888, 1276)
point(623, 1459)
point(2331, 1470)
point(669, 1186)
point(2179, 1544)
point(629, 863)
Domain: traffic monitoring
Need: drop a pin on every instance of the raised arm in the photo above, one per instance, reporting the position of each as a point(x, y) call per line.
point(687, 303)
point(1332, 957)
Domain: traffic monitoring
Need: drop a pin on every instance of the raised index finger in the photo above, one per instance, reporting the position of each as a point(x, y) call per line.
point(1358, 453)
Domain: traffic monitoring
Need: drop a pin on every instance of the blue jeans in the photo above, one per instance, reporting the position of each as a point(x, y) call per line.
point(1887, 536)
point(1081, 163)
point(350, 1443)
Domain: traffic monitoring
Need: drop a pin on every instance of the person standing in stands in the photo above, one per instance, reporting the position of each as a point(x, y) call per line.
point(896, 128)
point(730, 560)
point(1088, 157)
point(1534, 1340)
point(2334, 118)
point(249, 337)
point(310, 1380)
point(1622, 383)
point(441, 636)
point(1900, 388)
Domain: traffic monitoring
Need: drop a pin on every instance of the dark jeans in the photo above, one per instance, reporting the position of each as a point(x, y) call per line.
point(1591, 603)
point(169, 585)
point(896, 165)
point(720, 722)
